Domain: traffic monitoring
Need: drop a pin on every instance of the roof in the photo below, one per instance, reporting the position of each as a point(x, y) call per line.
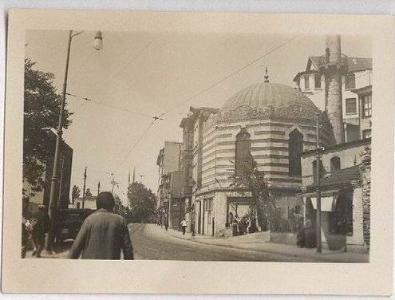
point(194, 113)
point(363, 90)
point(273, 97)
point(354, 64)
point(338, 147)
point(339, 178)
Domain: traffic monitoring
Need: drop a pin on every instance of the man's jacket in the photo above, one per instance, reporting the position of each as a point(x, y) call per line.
point(103, 235)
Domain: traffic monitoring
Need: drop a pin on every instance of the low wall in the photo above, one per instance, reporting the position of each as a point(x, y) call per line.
point(283, 238)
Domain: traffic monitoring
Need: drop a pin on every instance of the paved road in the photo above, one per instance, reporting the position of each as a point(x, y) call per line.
point(151, 242)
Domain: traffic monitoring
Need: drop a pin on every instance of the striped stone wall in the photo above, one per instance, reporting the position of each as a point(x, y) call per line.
point(269, 147)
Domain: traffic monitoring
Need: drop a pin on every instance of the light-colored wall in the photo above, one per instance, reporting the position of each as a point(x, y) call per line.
point(171, 160)
point(357, 215)
point(91, 204)
point(362, 79)
point(317, 95)
point(347, 158)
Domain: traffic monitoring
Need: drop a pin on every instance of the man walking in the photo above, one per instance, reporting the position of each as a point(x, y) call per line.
point(103, 234)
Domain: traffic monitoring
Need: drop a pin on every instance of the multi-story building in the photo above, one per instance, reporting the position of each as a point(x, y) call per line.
point(344, 167)
point(170, 183)
point(356, 91)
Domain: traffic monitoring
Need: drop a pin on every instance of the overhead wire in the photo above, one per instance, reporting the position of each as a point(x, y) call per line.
point(138, 140)
point(215, 84)
point(231, 74)
point(108, 105)
point(211, 87)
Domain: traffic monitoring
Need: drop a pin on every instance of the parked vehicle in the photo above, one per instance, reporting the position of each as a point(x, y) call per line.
point(70, 222)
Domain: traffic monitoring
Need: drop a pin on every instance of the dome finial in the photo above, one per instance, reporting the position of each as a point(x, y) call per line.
point(266, 76)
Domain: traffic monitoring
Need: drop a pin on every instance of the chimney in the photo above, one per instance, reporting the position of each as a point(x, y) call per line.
point(333, 86)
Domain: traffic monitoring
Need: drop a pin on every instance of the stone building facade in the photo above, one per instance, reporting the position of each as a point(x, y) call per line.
point(271, 122)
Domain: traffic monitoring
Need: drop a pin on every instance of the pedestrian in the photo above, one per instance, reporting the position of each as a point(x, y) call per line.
point(183, 226)
point(309, 235)
point(25, 236)
point(235, 227)
point(166, 221)
point(230, 219)
point(103, 235)
point(300, 237)
point(26, 229)
point(40, 222)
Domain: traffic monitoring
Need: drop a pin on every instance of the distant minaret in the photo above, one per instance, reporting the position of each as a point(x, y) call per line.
point(129, 178)
point(334, 69)
point(134, 175)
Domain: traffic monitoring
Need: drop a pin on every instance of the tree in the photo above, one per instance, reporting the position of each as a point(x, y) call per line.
point(250, 178)
point(75, 193)
point(88, 192)
point(142, 203)
point(41, 110)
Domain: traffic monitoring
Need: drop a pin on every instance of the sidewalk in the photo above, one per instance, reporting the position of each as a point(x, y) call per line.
point(59, 252)
point(259, 242)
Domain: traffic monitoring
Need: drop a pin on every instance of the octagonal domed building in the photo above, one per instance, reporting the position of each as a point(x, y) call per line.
point(266, 124)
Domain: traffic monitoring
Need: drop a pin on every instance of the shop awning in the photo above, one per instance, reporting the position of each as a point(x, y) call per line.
point(326, 203)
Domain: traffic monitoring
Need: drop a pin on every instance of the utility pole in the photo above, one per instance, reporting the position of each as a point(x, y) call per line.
point(113, 183)
point(53, 194)
point(318, 187)
point(83, 192)
point(61, 183)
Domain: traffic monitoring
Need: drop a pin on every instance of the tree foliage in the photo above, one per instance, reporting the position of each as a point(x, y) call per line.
point(41, 110)
point(141, 202)
point(252, 179)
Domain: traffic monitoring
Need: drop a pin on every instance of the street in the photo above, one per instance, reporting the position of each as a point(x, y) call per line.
point(152, 242)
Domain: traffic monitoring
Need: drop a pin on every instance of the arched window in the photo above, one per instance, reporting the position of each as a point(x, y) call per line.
point(335, 164)
point(295, 148)
point(244, 160)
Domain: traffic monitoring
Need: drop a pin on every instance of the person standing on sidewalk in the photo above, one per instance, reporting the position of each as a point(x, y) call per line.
point(183, 226)
point(40, 223)
point(103, 234)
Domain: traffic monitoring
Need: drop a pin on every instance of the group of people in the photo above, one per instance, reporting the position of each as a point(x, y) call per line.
point(243, 225)
point(34, 229)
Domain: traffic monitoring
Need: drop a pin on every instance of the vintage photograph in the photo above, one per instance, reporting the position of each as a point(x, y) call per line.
point(196, 147)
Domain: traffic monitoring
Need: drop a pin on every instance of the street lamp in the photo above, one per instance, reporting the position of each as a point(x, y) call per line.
point(52, 211)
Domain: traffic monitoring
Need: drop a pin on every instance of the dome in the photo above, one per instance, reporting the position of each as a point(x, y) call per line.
point(270, 100)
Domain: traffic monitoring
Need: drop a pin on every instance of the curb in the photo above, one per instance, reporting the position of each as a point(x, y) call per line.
point(314, 257)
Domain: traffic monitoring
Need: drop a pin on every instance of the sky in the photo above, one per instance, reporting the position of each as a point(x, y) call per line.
point(138, 75)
